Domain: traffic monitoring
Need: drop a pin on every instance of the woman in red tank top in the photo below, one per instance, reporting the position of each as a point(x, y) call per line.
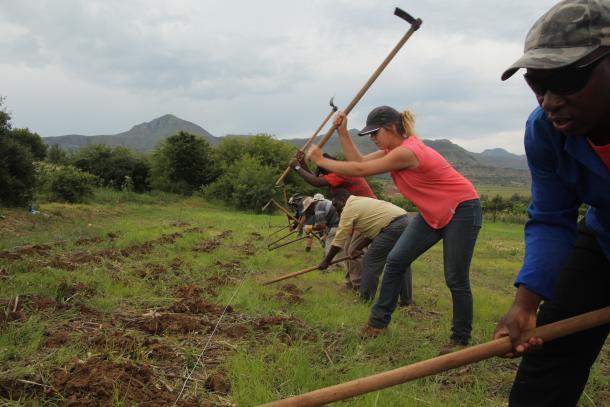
point(448, 205)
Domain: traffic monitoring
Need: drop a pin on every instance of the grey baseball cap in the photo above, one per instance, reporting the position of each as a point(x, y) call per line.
point(379, 117)
point(568, 32)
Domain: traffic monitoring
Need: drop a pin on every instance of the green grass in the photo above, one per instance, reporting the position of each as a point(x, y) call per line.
point(316, 346)
point(503, 191)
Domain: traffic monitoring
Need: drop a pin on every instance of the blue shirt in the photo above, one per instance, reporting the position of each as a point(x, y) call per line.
point(566, 173)
point(326, 214)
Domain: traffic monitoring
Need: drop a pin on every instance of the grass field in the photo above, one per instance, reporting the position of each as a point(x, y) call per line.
point(503, 191)
point(114, 303)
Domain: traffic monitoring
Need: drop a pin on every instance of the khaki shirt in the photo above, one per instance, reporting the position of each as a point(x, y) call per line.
point(366, 216)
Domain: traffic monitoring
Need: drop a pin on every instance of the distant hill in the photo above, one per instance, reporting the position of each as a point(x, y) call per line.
point(495, 166)
point(141, 137)
point(499, 157)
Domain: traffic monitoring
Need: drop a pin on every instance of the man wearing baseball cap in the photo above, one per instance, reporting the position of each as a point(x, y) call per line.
point(566, 270)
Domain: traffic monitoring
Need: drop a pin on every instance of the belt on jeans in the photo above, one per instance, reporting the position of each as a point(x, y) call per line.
point(394, 220)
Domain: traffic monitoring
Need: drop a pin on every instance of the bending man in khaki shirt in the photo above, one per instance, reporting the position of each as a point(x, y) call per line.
point(381, 223)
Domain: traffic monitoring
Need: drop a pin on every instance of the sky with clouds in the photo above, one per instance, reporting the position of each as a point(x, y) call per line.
point(246, 67)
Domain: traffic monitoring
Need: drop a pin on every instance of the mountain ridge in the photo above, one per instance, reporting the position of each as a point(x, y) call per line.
point(492, 164)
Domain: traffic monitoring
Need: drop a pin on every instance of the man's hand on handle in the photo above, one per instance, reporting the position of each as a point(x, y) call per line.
point(521, 317)
point(324, 265)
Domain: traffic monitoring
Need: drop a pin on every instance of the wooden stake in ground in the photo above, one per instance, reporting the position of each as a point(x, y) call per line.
point(439, 364)
point(298, 273)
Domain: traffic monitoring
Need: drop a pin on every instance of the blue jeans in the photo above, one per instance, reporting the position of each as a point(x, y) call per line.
point(459, 238)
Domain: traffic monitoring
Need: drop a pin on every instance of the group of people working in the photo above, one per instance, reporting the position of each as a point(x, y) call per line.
point(448, 209)
point(566, 269)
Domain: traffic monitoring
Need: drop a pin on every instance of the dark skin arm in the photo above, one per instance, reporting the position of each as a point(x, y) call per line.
point(300, 156)
point(521, 317)
point(357, 251)
point(329, 257)
point(305, 173)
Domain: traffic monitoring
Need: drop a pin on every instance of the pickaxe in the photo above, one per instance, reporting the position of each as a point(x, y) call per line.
point(276, 245)
point(415, 24)
point(311, 139)
point(288, 214)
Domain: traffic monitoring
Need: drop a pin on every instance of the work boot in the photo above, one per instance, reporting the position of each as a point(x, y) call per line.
point(368, 331)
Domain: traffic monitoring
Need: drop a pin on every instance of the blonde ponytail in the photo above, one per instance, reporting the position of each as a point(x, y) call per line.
point(408, 123)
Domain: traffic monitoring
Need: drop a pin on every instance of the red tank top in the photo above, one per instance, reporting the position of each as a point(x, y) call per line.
point(355, 185)
point(434, 187)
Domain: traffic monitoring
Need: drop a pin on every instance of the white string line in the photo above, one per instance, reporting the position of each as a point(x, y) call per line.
point(188, 377)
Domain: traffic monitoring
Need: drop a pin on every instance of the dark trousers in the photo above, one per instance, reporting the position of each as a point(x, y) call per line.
point(556, 375)
point(459, 238)
point(375, 258)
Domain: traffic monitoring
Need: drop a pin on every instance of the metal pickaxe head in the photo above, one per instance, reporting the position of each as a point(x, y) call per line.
point(266, 205)
point(332, 104)
point(415, 22)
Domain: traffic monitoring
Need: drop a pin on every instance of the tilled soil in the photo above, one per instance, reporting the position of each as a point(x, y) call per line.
point(136, 357)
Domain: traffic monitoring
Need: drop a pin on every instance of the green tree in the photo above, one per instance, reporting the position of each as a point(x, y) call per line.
point(57, 155)
point(267, 150)
point(16, 168)
point(31, 141)
point(112, 165)
point(266, 158)
point(182, 163)
point(247, 184)
point(5, 119)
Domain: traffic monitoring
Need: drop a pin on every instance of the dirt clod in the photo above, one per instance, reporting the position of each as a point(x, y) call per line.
point(159, 324)
point(218, 383)
point(96, 381)
point(56, 339)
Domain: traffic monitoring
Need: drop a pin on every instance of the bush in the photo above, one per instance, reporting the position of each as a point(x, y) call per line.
point(16, 173)
point(404, 203)
point(513, 209)
point(247, 184)
point(57, 155)
point(64, 183)
point(113, 166)
point(16, 168)
point(182, 163)
point(267, 151)
point(264, 148)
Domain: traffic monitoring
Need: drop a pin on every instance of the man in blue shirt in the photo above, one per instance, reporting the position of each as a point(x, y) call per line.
point(566, 270)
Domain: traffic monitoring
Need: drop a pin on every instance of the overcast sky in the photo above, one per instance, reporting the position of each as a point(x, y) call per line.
point(246, 67)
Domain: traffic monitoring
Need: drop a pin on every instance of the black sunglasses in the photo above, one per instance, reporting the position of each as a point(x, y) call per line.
point(564, 81)
point(373, 133)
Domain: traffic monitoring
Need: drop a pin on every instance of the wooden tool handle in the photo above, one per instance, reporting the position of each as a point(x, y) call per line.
point(298, 273)
point(497, 347)
point(372, 79)
point(306, 146)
